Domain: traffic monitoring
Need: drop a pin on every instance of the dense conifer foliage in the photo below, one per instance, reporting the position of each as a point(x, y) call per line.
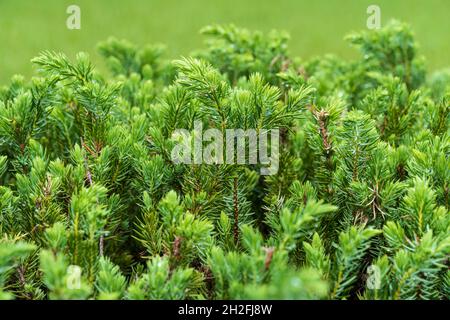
point(92, 205)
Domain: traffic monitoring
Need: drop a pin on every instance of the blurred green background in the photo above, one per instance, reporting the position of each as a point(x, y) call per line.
point(315, 26)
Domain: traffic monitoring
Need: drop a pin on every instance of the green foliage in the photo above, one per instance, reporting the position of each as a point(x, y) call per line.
point(239, 53)
point(392, 50)
point(93, 207)
point(61, 280)
point(110, 283)
point(159, 282)
point(351, 248)
point(11, 253)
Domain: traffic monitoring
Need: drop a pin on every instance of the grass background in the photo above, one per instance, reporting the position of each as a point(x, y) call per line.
point(316, 26)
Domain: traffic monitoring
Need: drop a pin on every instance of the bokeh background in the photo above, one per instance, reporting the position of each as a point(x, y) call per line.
point(316, 26)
